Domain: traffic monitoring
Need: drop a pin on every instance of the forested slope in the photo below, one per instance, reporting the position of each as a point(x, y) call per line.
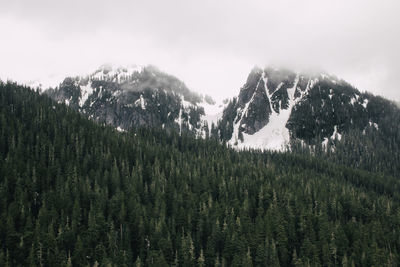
point(74, 193)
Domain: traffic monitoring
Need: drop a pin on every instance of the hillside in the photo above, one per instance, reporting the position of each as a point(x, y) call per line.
point(314, 113)
point(75, 193)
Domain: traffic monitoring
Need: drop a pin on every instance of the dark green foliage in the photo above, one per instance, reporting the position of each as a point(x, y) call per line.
point(369, 126)
point(225, 125)
point(73, 193)
point(327, 105)
point(370, 137)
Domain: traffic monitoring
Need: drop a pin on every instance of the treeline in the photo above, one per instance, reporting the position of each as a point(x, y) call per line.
point(370, 136)
point(74, 193)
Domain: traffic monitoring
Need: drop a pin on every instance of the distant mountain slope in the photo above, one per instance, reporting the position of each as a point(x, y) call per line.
point(316, 114)
point(128, 97)
point(278, 106)
point(276, 109)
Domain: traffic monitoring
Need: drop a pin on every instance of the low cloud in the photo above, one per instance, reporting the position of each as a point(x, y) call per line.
point(210, 45)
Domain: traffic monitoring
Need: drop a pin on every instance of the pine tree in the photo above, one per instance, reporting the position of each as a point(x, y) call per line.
point(138, 262)
point(201, 260)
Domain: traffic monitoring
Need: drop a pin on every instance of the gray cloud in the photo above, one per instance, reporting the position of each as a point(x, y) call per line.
point(210, 45)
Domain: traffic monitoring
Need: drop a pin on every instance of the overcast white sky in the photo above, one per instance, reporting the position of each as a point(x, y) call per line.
point(211, 45)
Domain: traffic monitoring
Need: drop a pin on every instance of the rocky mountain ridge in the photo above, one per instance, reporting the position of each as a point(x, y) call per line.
point(135, 96)
point(277, 106)
point(273, 109)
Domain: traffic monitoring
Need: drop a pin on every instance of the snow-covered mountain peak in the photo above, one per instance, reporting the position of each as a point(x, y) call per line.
point(275, 106)
point(51, 81)
point(134, 96)
point(116, 73)
point(264, 107)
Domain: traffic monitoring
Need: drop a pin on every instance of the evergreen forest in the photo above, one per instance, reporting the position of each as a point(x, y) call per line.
point(77, 193)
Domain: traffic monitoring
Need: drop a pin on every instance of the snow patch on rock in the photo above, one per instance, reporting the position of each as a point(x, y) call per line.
point(115, 73)
point(141, 102)
point(274, 135)
point(86, 91)
point(365, 103)
point(212, 113)
point(336, 134)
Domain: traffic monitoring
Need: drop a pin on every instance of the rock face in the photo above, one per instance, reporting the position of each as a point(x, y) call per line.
point(253, 103)
point(276, 106)
point(134, 97)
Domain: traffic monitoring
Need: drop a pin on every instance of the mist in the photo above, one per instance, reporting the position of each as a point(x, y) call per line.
point(210, 45)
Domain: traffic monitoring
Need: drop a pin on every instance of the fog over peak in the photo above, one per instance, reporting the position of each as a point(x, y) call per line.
point(210, 45)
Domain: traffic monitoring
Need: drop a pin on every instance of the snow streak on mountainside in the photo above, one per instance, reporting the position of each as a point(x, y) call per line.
point(264, 107)
point(274, 134)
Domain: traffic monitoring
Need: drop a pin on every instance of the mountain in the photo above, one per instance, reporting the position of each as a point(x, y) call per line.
point(276, 109)
point(76, 193)
point(277, 106)
point(130, 97)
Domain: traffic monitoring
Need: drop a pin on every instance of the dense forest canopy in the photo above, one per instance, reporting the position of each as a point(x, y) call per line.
point(74, 193)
